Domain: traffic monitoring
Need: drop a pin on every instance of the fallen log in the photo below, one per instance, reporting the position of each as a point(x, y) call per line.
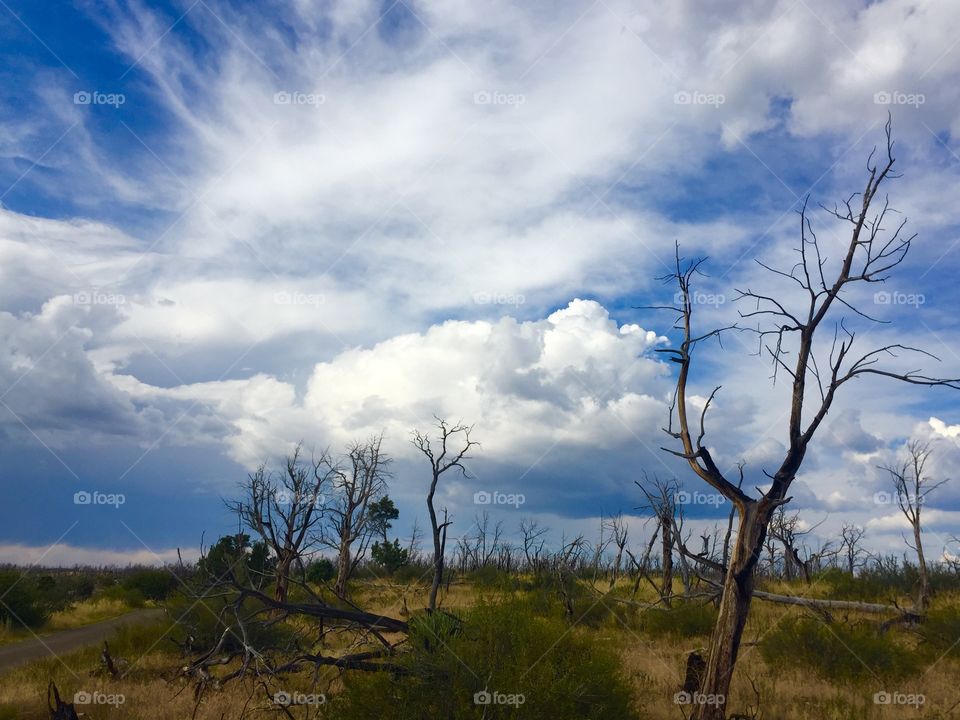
point(819, 603)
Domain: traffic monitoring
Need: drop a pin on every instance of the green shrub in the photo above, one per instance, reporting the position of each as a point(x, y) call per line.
point(390, 556)
point(838, 652)
point(52, 594)
point(504, 648)
point(129, 596)
point(870, 584)
point(419, 573)
point(22, 604)
point(80, 587)
point(683, 620)
point(235, 556)
point(941, 629)
point(487, 576)
point(321, 571)
point(430, 630)
point(558, 596)
point(152, 583)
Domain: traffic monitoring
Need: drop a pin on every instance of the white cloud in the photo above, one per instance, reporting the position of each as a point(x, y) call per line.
point(941, 428)
point(64, 556)
point(574, 377)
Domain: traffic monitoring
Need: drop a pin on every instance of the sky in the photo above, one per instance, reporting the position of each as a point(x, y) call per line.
point(226, 228)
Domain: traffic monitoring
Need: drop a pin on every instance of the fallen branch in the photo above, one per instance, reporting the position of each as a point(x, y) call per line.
point(853, 605)
point(371, 621)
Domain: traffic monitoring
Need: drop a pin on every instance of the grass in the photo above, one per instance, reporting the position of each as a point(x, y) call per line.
point(650, 648)
point(86, 613)
point(81, 614)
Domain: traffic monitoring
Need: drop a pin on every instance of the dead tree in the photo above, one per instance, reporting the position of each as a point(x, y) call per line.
point(454, 445)
point(662, 500)
point(642, 566)
point(851, 539)
point(284, 510)
point(565, 563)
point(358, 482)
point(59, 710)
point(242, 646)
point(787, 529)
point(533, 543)
point(791, 334)
point(488, 540)
point(107, 662)
point(912, 487)
point(599, 549)
point(413, 547)
point(618, 531)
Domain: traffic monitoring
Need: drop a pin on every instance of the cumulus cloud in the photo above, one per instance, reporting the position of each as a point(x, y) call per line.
point(575, 377)
point(941, 428)
point(51, 389)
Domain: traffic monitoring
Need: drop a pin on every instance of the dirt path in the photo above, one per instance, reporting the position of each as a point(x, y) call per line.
point(66, 641)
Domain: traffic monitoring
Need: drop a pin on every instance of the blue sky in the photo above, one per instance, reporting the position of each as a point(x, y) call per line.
point(227, 227)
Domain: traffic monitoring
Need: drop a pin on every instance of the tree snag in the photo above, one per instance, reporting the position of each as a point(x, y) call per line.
point(817, 372)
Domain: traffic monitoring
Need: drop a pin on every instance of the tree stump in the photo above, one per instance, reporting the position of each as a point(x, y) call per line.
point(696, 666)
point(59, 710)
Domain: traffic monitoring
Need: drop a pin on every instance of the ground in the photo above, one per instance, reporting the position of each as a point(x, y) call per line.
point(652, 659)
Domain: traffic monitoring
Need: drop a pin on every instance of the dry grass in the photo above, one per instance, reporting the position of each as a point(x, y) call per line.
point(654, 666)
point(79, 615)
point(85, 613)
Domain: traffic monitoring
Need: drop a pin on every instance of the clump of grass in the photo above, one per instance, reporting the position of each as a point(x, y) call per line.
point(941, 628)
point(838, 652)
point(85, 613)
point(131, 597)
point(683, 620)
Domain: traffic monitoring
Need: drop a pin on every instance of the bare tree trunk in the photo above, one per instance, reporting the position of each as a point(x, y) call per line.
point(924, 599)
point(439, 535)
point(734, 608)
point(283, 577)
point(666, 537)
point(615, 574)
point(788, 564)
point(343, 567)
point(726, 538)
